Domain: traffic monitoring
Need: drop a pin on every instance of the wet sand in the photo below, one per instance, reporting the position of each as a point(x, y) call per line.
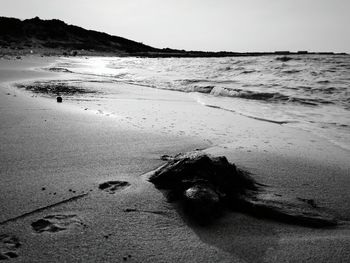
point(55, 156)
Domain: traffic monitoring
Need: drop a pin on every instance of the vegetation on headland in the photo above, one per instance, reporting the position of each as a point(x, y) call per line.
point(55, 37)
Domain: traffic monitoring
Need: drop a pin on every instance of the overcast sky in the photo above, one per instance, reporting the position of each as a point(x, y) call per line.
point(233, 25)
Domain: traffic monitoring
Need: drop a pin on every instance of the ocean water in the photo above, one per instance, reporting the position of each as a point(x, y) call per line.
point(309, 92)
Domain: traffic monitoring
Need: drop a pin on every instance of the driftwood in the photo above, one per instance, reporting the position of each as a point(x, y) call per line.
point(207, 185)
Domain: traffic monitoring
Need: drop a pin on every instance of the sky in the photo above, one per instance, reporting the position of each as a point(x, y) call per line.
point(210, 25)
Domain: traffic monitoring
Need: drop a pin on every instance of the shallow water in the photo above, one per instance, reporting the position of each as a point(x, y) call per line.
point(311, 92)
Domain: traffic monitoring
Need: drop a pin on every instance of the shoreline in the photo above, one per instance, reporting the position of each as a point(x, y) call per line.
point(328, 122)
point(161, 53)
point(62, 147)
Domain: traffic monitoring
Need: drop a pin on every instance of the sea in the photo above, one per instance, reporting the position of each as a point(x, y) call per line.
point(309, 92)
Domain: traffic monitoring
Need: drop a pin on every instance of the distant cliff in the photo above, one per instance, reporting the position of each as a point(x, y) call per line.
point(54, 34)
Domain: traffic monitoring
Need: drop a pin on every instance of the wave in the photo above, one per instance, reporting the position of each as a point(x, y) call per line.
point(246, 94)
point(190, 81)
point(228, 68)
point(284, 58)
point(247, 115)
point(200, 89)
point(248, 71)
point(323, 81)
point(266, 96)
point(291, 71)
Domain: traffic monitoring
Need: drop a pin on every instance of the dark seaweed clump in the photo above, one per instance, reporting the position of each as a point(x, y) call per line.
point(57, 69)
point(52, 88)
point(206, 186)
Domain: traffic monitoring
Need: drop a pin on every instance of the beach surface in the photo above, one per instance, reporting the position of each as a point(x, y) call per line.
point(55, 156)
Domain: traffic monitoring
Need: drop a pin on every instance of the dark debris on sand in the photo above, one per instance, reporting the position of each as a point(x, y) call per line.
point(113, 186)
point(57, 69)
point(207, 185)
point(55, 88)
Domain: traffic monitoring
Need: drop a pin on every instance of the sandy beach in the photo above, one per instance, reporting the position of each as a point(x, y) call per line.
point(54, 156)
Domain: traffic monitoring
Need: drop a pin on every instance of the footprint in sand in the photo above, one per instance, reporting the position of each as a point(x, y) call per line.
point(8, 246)
point(113, 186)
point(56, 223)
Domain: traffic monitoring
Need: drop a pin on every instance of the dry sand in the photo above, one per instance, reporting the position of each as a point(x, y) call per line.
point(52, 152)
